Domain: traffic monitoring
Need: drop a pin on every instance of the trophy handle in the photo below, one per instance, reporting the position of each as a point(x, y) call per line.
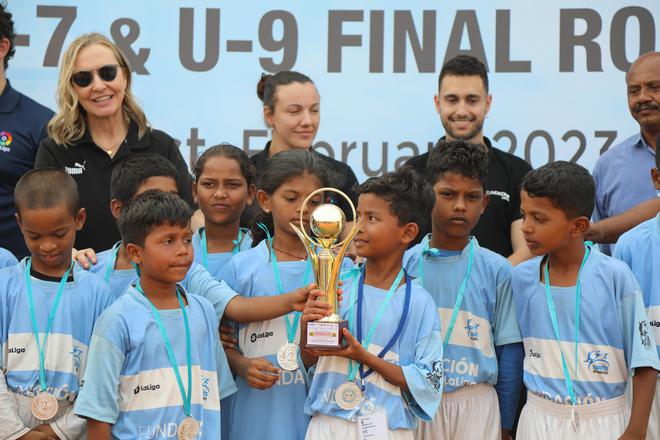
point(334, 277)
point(308, 247)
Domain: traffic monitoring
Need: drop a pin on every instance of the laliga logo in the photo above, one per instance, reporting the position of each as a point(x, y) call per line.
point(472, 329)
point(597, 362)
point(16, 350)
point(149, 387)
point(255, 336)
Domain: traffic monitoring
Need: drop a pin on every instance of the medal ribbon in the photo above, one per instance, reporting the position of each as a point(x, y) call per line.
point(352, 367)
point(35, 329)
point(170, 353)
point(111, 264)
point(555, 323)
point(205, 251)
point(291, 326)
point(459, 298)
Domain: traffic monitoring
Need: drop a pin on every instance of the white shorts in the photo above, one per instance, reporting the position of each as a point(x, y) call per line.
point(544, 419)
point(323, 427)
point(472, 412)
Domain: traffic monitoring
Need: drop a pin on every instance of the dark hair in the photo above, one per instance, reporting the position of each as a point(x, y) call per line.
point(410, 198)
point(268, 84)
point(46, 188)
point(7, 31)
point(280, 168)
point(460, 157)
point(230, 152)
point(149, 210)
point(569, 187)
point(464, 65)
point(131, 172)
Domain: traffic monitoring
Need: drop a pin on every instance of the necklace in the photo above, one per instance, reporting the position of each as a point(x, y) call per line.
point(290, 254)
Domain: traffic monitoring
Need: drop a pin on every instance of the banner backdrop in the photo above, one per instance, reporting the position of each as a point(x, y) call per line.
point(556, 69)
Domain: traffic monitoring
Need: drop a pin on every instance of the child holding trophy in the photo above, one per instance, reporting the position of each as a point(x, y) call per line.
point(390, 372)
point(271, 386)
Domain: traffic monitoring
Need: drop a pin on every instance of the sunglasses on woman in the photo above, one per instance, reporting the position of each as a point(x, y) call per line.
point(107, 73)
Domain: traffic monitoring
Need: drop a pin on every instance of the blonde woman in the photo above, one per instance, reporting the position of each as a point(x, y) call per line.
point(98, 123)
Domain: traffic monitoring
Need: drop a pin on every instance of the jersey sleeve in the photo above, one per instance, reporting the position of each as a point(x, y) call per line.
point(505, 323)
point(200, 282)
point(424, 376)
point(638, 339)
point(99, 393)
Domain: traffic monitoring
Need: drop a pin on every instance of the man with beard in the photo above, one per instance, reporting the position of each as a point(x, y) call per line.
point(622, 174)
point(463, 103)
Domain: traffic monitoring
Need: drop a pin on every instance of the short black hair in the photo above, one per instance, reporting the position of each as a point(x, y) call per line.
point(410, 198)
point(46, 188)
point(464, 65)
point(568, 185)
point(149, 210)
point(132, 171)
point(7, 31)
point(460, 157)
point(230, 152)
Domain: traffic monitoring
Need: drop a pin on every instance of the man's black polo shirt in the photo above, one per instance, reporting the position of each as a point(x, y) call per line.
point(22, 126)
point(342, 177)
point(505, 171)
point(91, 167)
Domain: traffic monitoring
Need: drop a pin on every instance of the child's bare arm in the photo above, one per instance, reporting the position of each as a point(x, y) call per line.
point(98, 430)
point(643, 391)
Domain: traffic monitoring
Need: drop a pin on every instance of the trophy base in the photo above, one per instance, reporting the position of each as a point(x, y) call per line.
point(326, 335)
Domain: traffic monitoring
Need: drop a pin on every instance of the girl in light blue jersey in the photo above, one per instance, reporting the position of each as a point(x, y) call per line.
point(224, 185)
point(271, 394)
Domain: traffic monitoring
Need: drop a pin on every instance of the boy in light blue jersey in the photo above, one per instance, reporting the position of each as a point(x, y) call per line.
point(390, 374)
point(155, 368)
point(143, 172)
point(582, 318)
point(7, 258)
point(639, 248)
point(471, 286)
point(48, 307)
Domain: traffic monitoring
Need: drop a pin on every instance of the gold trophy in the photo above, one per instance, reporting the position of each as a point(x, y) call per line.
point(327, 223)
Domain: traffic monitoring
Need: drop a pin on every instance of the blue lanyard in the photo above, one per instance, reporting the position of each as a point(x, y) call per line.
point(170, 353)
point(291, 326)
point(41, 346)
point(459, 298)
point(352, 367)
point(111, 264)
point(205, 251)
point(555, 323)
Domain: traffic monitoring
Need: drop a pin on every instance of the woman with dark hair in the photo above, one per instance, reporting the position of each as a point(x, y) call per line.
point(292, 111)
point(99, 122)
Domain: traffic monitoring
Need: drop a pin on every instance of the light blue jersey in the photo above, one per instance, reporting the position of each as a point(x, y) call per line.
point(218, 262)
point(7, 258)
point(418, 351)
point(129, 381)
point(198, 281)
point(614, 336)
point(639, 248)
point(276, 413)
point(66, 350)
point(486, 317)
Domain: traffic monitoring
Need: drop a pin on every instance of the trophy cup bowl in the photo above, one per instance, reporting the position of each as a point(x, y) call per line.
point(327, 222)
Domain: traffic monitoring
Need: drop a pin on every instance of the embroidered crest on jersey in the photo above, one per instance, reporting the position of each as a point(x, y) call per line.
point(644, 334)
point(76, 352)
point(472, 328)
point(5, 141)
point(435, 376)
point(597, 362)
